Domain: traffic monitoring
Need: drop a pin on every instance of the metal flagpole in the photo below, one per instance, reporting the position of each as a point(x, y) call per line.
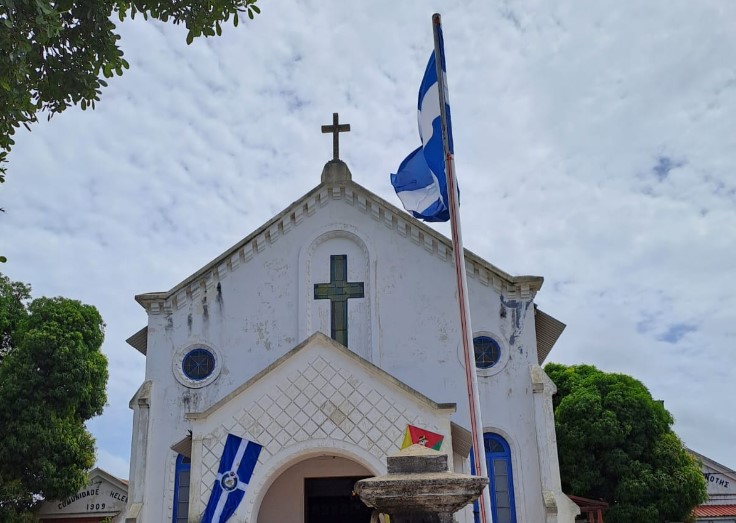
point(462, 283)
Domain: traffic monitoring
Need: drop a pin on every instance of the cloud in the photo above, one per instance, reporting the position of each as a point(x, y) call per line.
point(676, 332)
point(663, 167)
point(594, 146)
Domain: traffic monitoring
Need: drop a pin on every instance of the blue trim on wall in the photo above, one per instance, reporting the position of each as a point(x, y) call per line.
point(476, 507)
point(183, 464)
point(489, 438)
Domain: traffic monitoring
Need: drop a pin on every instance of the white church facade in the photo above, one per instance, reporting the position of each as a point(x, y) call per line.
point(320, 337)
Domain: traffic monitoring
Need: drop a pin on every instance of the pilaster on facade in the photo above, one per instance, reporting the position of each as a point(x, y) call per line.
point(558, 507)
point(140, 403)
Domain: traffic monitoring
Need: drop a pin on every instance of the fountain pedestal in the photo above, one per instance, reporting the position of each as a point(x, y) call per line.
point(419, 488)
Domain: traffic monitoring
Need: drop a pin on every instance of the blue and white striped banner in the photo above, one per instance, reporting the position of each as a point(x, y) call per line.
point(420, 182)
point(238, 461)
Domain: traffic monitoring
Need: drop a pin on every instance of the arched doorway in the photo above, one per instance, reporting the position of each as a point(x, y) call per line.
point(316, 489)
point(501, 481)
point(498, 460)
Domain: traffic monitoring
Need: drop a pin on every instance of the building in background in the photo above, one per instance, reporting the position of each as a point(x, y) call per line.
point(721, 483)
point(103, 499)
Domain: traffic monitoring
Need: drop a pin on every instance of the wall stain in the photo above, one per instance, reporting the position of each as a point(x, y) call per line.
point(190, 401)
point(186, 400)
point(263, 335)
point(518, 310)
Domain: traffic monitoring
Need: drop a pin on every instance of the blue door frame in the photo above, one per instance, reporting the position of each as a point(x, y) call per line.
point(498, 464)
point(183, 468)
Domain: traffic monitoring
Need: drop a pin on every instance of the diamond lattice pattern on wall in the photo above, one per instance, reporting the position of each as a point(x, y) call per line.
point(320, 401)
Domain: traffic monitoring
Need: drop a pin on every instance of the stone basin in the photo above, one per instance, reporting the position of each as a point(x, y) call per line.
point(419, 486)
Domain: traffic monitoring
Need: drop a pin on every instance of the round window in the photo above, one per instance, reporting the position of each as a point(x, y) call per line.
point(487, 352)
point(198, 364)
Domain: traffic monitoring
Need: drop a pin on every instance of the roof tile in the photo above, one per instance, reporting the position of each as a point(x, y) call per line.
point(714, 511)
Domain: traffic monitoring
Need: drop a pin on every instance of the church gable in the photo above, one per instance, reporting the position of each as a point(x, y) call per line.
point(319, 395)
point(330, 221)
point(356, 196)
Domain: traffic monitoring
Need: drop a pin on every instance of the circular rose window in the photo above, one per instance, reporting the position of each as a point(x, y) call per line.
point(198, 364)
point(487, 352)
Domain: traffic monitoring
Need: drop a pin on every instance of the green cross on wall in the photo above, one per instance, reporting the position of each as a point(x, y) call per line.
point(338, 291)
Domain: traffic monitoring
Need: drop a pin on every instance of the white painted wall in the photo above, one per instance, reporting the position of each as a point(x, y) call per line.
point(259, 304)
point(721, 485)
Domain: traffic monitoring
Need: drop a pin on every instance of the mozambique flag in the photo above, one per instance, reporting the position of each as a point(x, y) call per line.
point(415, 435)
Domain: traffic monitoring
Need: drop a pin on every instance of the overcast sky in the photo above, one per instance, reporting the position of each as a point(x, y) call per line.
point(595, 146)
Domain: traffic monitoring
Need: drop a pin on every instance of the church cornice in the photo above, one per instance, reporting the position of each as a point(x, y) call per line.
point(355, 195)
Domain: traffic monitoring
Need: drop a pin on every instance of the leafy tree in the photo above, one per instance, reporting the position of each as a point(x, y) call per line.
point(616, 443)
point(51, 381)
point(13, 296)
point(52, 52)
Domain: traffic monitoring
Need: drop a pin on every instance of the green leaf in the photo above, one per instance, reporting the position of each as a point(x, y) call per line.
point(44, 7)
point(53, 377)
point(190, 37)
point(256, 8)
point(250, 14)
point(3, 259)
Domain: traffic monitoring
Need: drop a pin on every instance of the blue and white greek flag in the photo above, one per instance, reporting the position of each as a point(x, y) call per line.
point(238, 460)
point(420, 182)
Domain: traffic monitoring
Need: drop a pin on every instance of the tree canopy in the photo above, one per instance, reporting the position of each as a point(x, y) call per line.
point(13, 298)
point(54, 53)
point(615, 443)
point(52, 380)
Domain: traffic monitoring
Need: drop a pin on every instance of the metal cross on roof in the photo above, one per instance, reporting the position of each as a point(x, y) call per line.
point(335, 129)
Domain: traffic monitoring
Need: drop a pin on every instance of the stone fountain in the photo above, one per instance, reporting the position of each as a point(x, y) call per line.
point(419, 488)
